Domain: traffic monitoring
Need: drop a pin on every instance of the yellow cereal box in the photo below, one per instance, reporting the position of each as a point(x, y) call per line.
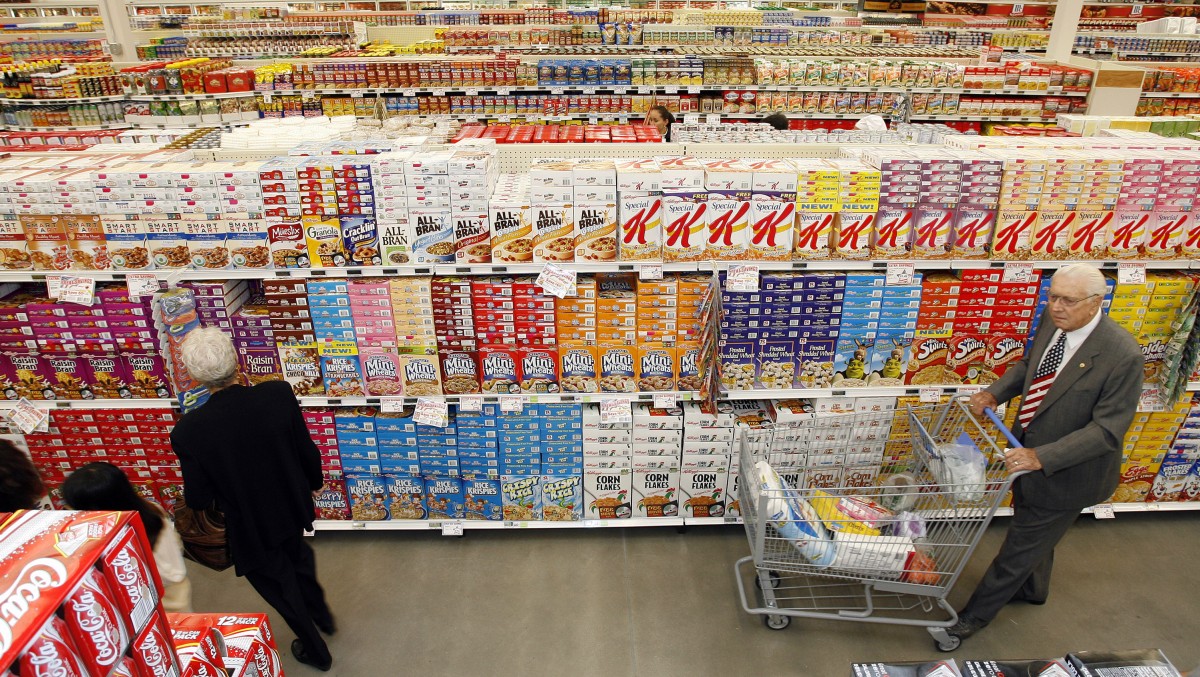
point(1014, 235)
point(324, 240)
point(14, 253)
point(512, 232)
point(578, 372)
point(47, 242)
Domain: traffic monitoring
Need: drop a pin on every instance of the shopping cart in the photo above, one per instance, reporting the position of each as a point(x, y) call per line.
point(879, 549)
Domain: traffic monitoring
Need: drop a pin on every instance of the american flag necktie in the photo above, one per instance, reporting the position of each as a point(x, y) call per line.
point(1042, 380)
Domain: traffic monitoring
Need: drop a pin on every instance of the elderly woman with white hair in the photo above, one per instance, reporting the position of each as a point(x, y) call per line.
point(248, 450)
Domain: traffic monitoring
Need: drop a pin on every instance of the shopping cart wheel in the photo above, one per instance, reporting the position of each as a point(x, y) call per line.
point(776, 622)
point(950, 644)
point(774, 580)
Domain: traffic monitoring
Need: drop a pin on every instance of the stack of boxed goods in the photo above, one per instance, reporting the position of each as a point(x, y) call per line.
point(562, 461)
point(1179, 475)
point(322, 428)
point(100, 614)
point(708, 469)
point(521, 462)
point(354, 430)
point(235, 644)
point(479, 446)
point(254, 341)
point(453, 317)
point(877, 327)
point(1146, 448)
point(657, 445)
point(514, 323)
point(607, 466)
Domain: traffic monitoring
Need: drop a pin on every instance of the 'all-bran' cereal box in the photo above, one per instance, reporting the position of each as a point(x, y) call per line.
point(1052, 235)
point(85, 236)
point(147, 373)
point(596, 225)
point(702, 490)
point(342, 375)
point(853, 234)
point(1089, 235)
point(406, 497)
point(606, 493)
point(482, 499)
point(562, 498)
point(421, 374)
point(1127, 236)
point(394, 241)
point(641, 232)
point(472, 238)
point(685, 227)
point(249, 243)
point(360, 241)
point(577, 368)
point(893, 237)
point(368, 497)
point(617, 369)
point(512, 232)
point(814, 231)
point(288, 245)
point(444, 497)
point(381, 372)
point(656, 368)
point(772, 230)
point(1165, 239)
point(973, 232)
point(323, 237)
point(302, 368)
point(522, 497)
point(1014, 235)
point(499, 369)
point(932, 232)
point(553, 232)
point(728, 229)
point(539, 370)
point(460, 372)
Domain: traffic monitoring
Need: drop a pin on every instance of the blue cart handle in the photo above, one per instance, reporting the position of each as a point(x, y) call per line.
point(990, 413)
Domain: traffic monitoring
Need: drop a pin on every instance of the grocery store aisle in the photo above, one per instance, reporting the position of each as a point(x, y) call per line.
point(654, 602)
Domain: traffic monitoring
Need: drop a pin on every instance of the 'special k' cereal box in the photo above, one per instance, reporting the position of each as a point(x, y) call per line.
point(482, 499)
point(685, 226)
point(813, 233)
point(522, 497)
point(772, 230)
point(641, 231)
point(728, 229)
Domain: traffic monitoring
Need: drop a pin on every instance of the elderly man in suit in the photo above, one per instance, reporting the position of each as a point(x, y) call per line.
point(1080, 382)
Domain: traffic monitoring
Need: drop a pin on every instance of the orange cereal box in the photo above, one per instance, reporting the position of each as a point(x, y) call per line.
point(47, 242)
point(85, 238)
point(14, 252)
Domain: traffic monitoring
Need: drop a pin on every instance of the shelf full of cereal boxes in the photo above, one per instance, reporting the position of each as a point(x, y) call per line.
point(84, 360)
point(82, 596)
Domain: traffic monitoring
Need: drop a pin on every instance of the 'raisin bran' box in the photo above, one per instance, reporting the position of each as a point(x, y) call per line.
point(147, 373)
point(26, 376)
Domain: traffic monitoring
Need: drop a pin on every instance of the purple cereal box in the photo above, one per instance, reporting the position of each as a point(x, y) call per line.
point(26, 375)
point(260, 364)
point(71, 377)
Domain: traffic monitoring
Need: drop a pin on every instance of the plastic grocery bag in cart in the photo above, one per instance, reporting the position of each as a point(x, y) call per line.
point(794, 518)
point(961, 467)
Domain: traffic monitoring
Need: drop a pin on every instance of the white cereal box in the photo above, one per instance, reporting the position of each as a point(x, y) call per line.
point(823, 477)
point(433, 235)
point(932, 228)
point(702, 490)
point(14, 254)
point(512, 232)
point(472, 238)
point(852, 235)
point(638, 176)
point(1165, 239)
point(685, 226)
point(596, 229)
point(813, 233)
point(522, 497)
point(288, 246)
point(395, 242)
point(733, 506)
point(728, 229)
point(641, 232)
point(554, 232)
point(1014, 235)
point(206, 244)
point(772, 230)
point(249, 243)
point(562, 498)
point(860, 479)
point(1127, 234)
point(1052, 235)
point(972, 236)
point(1089, 235)
point(167, 243)
point(606, 493)
point(773, 176)
point(655, 486)
point(894, 234)
point(727, 175)
point(1191, 239)
point(681, 174)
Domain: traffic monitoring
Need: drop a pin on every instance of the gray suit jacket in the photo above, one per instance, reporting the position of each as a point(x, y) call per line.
point(1079, 429)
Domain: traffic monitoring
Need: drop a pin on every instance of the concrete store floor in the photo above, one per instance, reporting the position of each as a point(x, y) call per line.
point(614, 602)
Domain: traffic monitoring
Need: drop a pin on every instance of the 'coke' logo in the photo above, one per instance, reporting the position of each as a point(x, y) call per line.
point(129, 574)
point(38, 575)
point(90, 617)
point(153, 654)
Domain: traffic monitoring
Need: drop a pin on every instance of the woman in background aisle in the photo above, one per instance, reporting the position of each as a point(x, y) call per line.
point(103, 486)
point(249, 450)
point(20, 486)
point(661, 119)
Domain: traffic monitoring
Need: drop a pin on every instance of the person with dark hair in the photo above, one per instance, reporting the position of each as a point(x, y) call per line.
point(20, 486)
point(661, 119)
point(777, 120)
point(104, 486)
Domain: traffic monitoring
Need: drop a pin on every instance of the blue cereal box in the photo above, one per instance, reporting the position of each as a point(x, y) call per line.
point(522, 496)
point(816, 362)
point(562, 498)
point(406, 497)
point(368, 497)
point(444, 497)
point(482, 499)
point(342, 376)
point(852, 359)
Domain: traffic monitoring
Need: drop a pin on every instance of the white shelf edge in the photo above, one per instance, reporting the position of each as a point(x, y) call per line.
point(1171, 95)
point(61, 102)
point(129, 403)
point(532, 398)
point(470, 525)
point(85, 128)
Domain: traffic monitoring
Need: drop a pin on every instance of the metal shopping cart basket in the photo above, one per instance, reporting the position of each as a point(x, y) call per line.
point(879, 548)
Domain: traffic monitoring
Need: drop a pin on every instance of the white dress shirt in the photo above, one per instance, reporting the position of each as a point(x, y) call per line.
point(1074, 340)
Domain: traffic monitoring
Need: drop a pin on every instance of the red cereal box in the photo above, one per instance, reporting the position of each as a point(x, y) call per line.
point(52, 654)
point(94, 623)
point(460, 371)
point(147, 374)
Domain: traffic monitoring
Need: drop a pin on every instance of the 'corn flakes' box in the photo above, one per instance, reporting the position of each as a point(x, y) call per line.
point(482, 499)
point(606, 493)
point(702, 490)
point(444, 497)
point(655, 483)
point(522, 497)
point(405, 497)
point(562, 498)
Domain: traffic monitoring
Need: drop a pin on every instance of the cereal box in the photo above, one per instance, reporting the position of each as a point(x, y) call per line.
point(562, 498)
point(147, 373)
point(395, 242)
point(657, 368)
point(972, 236)
point(966, 357)
point(360, 241)
point(1014, 235)
point(927, 366)
point(368, 497)
point(421, 374)
point(482, 499)
point(381, 372)
point(433, 235)
point(685, 229)
point(444, 497)
point(167, 244)
point(323, 238)
point(289, 248)
point(85, 237)
point(342, 375)
point(522, 497)
point(47, 242)
point(1172, 475)
point(1052, 235)
point(655, 484)
point(472, 238)
point(1089, 235)
point(554, 232)
point(851, 360)
point(512, 232)
point(14, 252)
point(816, 358)
point(498, 366)
point(606, 493)
point(206, 244)
point(932, 231)
point(332, 503)
point(1127, 234)
point(814, 231)
point(889, 357)
point(1165, 237)
point(26, 376)
point(728, 224)
point(738, 365)
point(1002, 351)
point(577, 368)
point(617, 369)
point(460, 372)
point(302, 368)
point(108, 379)
point(702, 490)
point(70, 379)
point(853, 232)
point(641, 230)
point(596, 225)
point(894, 235)
point(539, 370)
point(772, 230)
point(1191, 239)
point(248, 242)
point(690, 376)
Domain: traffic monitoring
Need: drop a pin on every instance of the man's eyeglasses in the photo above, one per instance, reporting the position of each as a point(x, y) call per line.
point(1067, 301)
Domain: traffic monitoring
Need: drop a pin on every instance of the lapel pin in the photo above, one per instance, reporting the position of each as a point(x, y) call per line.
point(1082, 365)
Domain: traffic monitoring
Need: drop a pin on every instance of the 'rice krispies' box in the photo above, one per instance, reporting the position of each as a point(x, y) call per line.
point(606, 493)
point(522, 497)
point(302, 368)
point(342, 375)
point(562, 498)
point(482, 499)
point(405, 497)
point(368, 497)
point(444, 497)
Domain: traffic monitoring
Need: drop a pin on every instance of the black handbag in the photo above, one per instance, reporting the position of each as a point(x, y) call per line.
point(203, 535)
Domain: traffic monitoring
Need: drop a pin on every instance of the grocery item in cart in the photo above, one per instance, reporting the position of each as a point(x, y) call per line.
point(1133, 662)
point(1016, 668)
point(947, 668)
point(794, 518)
point(962, 468)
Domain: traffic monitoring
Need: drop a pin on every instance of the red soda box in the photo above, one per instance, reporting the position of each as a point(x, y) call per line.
point(94, 623)
point(52, 654)
point(153, 652)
